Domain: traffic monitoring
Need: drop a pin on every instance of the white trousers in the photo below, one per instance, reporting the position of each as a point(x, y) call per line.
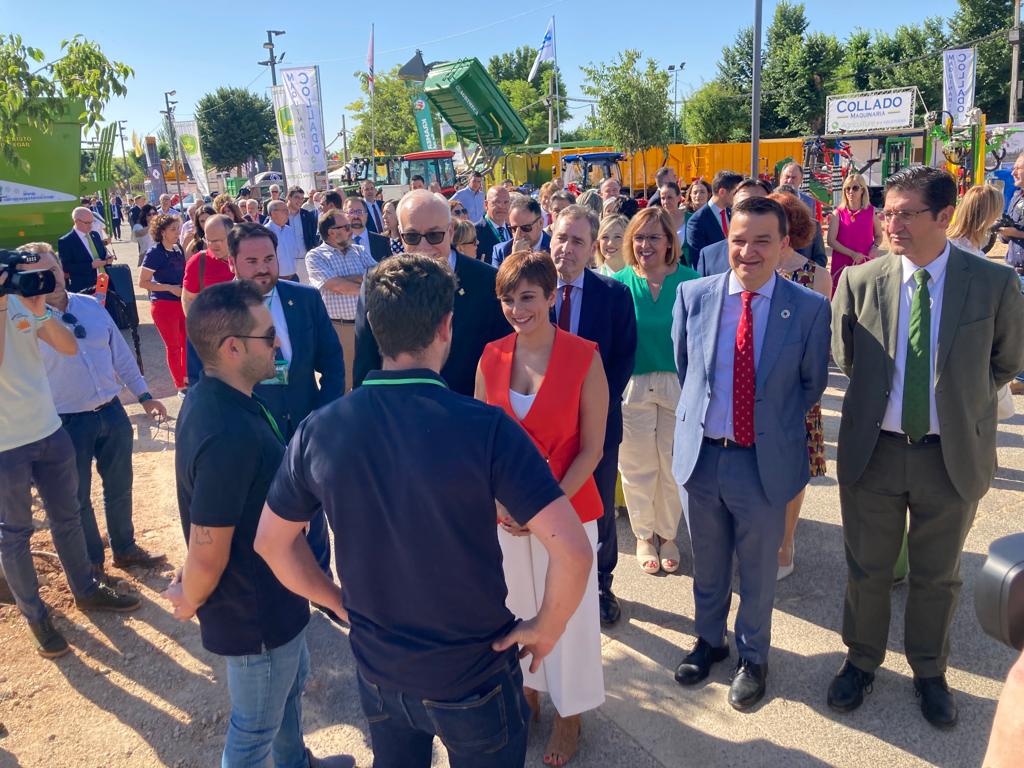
point(645, 456)
point(571, 673)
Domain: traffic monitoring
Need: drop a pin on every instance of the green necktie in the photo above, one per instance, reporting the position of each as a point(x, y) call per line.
point(917, 374)
point(92, 248)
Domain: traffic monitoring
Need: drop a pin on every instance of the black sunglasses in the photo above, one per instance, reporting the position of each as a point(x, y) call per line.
point(459, 211)
point(413, 238)
point(267, 337)
point(527, 228)
point(68, 319)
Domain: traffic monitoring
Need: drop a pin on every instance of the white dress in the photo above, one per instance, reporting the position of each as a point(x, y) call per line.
point(571, 673)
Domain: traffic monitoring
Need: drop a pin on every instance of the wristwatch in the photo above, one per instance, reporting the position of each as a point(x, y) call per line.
point(144, 397)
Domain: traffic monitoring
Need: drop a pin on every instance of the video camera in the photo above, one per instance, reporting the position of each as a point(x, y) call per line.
point(31, 282)
point(999, 591)
point(1006, 221)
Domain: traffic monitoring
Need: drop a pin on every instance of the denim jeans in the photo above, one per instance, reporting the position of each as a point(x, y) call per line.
point(51, 462)
point(105, 435)
point(485, 730)
point(266, 707)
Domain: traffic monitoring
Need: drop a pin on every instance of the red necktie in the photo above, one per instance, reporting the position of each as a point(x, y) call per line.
point(565, 312)
point(743, 380)
point(725, 221)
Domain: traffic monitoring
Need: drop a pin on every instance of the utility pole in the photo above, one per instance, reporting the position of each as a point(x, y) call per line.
point(1015, 61)
point(755, 96)
point(174, 141)
point(272, 61)
point(344, 139)
point(124, 155)
point(675, 98)
point(551, 108)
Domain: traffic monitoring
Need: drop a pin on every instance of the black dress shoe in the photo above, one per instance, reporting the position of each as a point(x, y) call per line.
point(608, 604)
point(136, 555)
point(847, 690)
point(697, 663)
point(748, 684)
point(937, 703)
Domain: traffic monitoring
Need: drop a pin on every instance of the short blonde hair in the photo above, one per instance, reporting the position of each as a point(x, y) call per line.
point(855, 179)
point(978, 211)
point(615, 220)
point(641, 220)
point(35, 248)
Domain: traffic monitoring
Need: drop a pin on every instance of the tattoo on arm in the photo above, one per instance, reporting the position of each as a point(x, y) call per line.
point(203, 535)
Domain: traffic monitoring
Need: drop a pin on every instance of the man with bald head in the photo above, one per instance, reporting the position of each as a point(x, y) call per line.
point(424, 221)
point(82, 253)
point(493, 228)
point(209, 267)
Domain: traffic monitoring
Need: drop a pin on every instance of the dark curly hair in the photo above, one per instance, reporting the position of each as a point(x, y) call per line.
point(159, 223)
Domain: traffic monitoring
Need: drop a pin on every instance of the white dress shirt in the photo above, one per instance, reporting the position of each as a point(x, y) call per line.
point(718, 215)
point(893, 419)
point(575, 302)
point(273, 302)
point(718, 422)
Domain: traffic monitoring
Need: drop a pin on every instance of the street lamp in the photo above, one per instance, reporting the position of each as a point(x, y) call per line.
point(124, 155)
point(272, 61)
point(675, 96)
point(174, 140)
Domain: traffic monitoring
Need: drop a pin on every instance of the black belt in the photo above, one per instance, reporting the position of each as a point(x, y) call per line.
point(725, 442)
point(97, 409)
point(343, 322)
point(903, 438)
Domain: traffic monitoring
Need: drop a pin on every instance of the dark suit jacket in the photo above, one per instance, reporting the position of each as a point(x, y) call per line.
point(478, 320)
point(485, 241)
point(310, 236)
point(77, 261)
point(502, 250)
point(608, 319)
point(315, 349)
point(714, 259)
point(980, 348)
point(371, 223)
point(816, 250)
point(703, 229)
point(380, 246)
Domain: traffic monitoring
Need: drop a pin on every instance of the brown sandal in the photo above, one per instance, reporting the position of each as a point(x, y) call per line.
point(564, 741)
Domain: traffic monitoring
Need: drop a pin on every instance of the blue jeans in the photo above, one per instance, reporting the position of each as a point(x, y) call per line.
point(485, 730)
point(266, 707)
point(105, 435)
point(51, 462)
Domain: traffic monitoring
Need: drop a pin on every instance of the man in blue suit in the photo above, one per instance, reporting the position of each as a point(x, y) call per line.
point(82, 252)
point(710, 223)
point(526, 223)
point(309, 346)
point(752, 355)
point(599, 309)
point(714, 258)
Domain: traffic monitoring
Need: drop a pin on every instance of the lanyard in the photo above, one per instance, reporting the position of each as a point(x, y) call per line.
point(494, 229)
point(272, 422)
point(393, 382)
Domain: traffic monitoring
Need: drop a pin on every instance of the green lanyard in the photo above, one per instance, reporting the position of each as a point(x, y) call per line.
point(392, 382)
point(272, 422)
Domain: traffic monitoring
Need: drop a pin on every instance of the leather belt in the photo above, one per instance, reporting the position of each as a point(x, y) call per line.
point(724, 442)
point(903, 438)
point(343, 322)
point(97, 409)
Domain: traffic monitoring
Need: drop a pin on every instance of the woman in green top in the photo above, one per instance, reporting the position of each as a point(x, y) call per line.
point(652, 274)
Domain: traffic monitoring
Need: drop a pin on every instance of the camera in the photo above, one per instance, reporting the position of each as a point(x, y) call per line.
point(999, 591)
point(1006, 221)
point(32, 282)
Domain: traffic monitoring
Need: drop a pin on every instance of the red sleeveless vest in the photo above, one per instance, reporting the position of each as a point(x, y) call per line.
point(553, 421)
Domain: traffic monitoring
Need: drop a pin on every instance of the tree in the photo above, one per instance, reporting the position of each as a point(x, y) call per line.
point(632, 103)
point(392, 108)
point(528, 102)
point(911, 56)
point(235, 125)
point(510, 71)
point(34, 91)
point(804, 69)
point(736, 68)
point(715, 113)
point(978, 18)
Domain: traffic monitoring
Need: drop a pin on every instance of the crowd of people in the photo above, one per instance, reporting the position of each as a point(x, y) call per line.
point(337, 355)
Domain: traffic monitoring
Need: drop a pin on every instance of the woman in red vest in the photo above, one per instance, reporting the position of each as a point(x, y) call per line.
point(553, 384)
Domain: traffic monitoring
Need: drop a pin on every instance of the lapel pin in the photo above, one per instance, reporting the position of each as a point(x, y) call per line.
point(462, 291)
point(785, 314)
point(291, 302)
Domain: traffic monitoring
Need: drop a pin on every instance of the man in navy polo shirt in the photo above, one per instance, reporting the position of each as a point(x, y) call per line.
point(409, 471)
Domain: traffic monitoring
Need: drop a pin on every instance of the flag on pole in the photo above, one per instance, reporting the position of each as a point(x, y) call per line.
point(546, 52)
point(369, 63)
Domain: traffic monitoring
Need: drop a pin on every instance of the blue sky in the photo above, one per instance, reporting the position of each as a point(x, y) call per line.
point(194, 48)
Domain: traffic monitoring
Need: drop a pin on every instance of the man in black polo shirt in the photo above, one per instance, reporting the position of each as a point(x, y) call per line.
point(409, 471)
point(244, 612)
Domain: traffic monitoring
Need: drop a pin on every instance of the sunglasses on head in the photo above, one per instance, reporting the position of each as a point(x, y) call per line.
point(413, 238)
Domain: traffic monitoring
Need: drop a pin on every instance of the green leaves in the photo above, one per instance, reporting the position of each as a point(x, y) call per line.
point(633, 109)
point(392, 111)
point(235, 125)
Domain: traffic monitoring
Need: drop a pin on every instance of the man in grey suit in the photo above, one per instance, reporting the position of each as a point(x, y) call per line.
point(752, 355)
point(927, 336)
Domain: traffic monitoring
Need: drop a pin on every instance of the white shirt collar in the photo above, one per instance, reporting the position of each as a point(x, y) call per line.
point(936, 270)
point(577, 283)
point(765, 290)
point(452, 258)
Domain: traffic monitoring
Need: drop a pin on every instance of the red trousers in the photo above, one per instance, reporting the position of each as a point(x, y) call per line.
point(170, 322)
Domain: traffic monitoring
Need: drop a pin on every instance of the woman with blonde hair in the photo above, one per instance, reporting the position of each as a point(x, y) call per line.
point(854, 232)
point(464, 238)
point(608, 251)
point(544, 198)
point(652, 274)
point(972, 223)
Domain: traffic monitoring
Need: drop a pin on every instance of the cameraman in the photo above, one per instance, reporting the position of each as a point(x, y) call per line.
point(1014, 236)
point(34, 446)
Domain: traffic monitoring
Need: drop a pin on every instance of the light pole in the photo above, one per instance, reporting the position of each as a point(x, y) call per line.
point(174, 141)
point(272, 61)
point(755, 96)
point(124, 155)
point(675, 97)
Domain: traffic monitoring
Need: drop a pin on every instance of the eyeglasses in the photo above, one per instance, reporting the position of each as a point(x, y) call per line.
point(459, 211)
point(68, 319)
point(346, 227)
point(902, 216)
point(413, 238)
point(268, 337)
point(853, 188)
point(527, 228)
point(474, 243)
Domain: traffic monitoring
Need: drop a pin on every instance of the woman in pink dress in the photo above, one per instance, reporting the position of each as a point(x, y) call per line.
point(854, 232)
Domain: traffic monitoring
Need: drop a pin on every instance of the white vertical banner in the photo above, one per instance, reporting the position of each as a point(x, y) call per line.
point(299, 125)
point(958, 79)
point(192, 151)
